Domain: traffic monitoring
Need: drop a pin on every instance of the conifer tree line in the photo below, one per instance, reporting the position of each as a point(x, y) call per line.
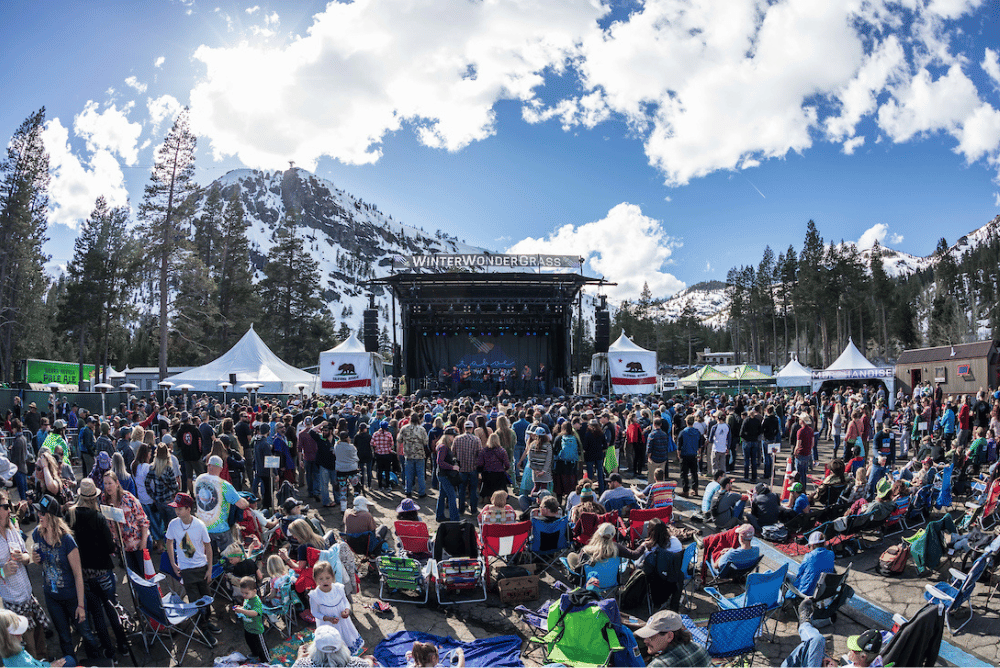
point(173, 285)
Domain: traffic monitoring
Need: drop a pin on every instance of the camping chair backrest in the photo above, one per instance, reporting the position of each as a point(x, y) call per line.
point(765, 587)
point(637, 519)
point(587, 523)
point(147, 595)
point(732, 632)
point(549, 537)
point(606, 571)
point(455, 539)
point(362, 543)
point(662, 495)
point(687, 562)
point(402, 573)
point(460, 573)
point(620, 503)
point(969, 584)
point(740, 566)
point(413, 536)
point(828, 586)
point(832, 494)
point(504, 540)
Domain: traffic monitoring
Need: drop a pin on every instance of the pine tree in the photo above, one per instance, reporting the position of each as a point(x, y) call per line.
point(24, 199)
point(298, 320)
point(195, 313)
point(163, 210)
point(238, 302)
point(207, 228)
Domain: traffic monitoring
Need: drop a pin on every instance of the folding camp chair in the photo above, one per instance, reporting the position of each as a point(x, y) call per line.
point(365, 545)
point(896, 522)
point(413, 540)
point(958, 592)
point(586, 525)
point(620, 504)
point(221, 587)
point(163, 616)
point(633, 530)
point(288, 606)
point(730, 633)
point(549, 540)
point(457, 575)
point(504, 542)
point(404, 574)
point(689, 569)
point(763, 588)
point(832, 591)
point(735, 570)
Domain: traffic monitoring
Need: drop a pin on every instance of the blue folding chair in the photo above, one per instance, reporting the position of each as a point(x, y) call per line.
point(689, 570)
point(762, 588)
point(737, 569)
point(957, 593)
point(163, 616)
point(730, 633)
point(549, 540)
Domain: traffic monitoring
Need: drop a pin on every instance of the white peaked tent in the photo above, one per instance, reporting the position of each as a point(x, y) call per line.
point(630, 368)
point(252, 362)
point(794, 374)
point(349, 369)
point(853, 365)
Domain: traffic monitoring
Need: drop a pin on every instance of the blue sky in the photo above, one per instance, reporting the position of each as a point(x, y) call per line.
point(666, 141)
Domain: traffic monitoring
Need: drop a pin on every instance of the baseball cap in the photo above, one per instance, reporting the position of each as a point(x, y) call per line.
point(745, 531)
point(383, 424)
point(451, 431)
point(540, 431)
point(327, 639)
point(290, 503)
point(182, 500)
point(469, 424)
point(798, 487)
point(215, 460)
point(59, 424)
point(19, 626)
point(185, 416)
point(360, 503)
point(884, 487)
point(167, 439)
point(104, 460)
point(661, 622)
point(49, 505)
point(816, 538)
point(869, 642)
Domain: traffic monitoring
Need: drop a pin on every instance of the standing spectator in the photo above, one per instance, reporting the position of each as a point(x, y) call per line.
point(539, 457)
point(689, 444)
point(307, 451)
point(86, 442)
point(493, 462)
point(161, 484)
point(657, 451)
point(366, 456)
point(750, 437)
point(215, 496)
point(384, 447)
point(190, 552)
point(720, 441)
point(448, 475)
point(467, 447)
point(262, 486)
point(131, 535)
point(804, 443)
point(594, 446)
point(519, 427)
point(15, 587)
point(190, 446)
point(771, 433)
point(243, 433)
point(413, 443)
point(19, 457)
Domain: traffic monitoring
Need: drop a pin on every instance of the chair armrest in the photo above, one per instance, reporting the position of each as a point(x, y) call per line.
point(937, 593)
point(957, 574)
point(714, 593)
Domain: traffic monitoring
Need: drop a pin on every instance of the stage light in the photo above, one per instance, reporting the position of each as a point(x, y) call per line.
point(499, 308)
point(525, 309)
point(451, 308)
point(548, 309)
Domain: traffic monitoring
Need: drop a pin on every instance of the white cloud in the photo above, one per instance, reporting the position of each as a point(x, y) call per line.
point(708, 266)
point(159, 61)
point(896, 239)
point(927, 105)
point(953, 9)
point(874, 233)
point(996, 199)
point(272, 19)
point(165, 107)
point(132, 82)
point(852, 144)
point(991, 65)
point(251, 10)
point(625, 247)
point(366, 68)
point(77, 184)
point(109, 130)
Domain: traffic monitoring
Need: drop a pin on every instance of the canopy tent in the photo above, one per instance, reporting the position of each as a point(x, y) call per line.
point(251, 361)
point(706, 376)
point(747, 376)
point(794, 374)
point(851, 366)
point(630, 368)
point(350, 369)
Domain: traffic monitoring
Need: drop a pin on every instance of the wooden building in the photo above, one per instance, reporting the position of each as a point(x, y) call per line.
point(961, 369)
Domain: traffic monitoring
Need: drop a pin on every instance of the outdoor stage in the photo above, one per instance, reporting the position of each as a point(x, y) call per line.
point(503, 321)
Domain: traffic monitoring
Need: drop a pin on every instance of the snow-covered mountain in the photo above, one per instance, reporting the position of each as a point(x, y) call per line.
point(897, 263)
point(707, 300)
point(352, 240)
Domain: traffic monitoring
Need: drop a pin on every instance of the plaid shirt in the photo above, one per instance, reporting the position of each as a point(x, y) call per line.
point(687, 654)
point(382, 442)
point(467, 447)
point(162, 489)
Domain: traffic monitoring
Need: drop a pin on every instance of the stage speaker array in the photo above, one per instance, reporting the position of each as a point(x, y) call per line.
point(602, 331)
point(370, 331)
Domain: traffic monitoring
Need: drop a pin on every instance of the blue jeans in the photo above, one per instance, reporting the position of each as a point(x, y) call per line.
point(101, 599)
point(446, 496)
point(469, 489)
point(836, 446)
point(63, 614)
point(312, 473)
point(810, 651)
point(599, 475)
point(751, 459)
point(156, 528)
point(802, 465)
point(21, 481)
point(415, 474)
point(365, 469)
point(326, 476)
point(518, 451)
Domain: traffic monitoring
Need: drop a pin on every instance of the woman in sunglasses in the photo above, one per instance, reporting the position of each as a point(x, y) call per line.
point(15, 588)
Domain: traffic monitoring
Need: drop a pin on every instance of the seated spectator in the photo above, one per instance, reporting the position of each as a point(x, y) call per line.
point(602, 546)
point(497, 511)
point(669, 643)
point(797, 503)
point(327, 650)
point(425, 655)
point(864, 649)
point(547, 510)
point(710, 490)
point(856, 462)
point(834, 478)
point(586, 505)
point(811, 651)
point(407, 511)
point(238, 566)
point(360, 520)
point(659, 480)
point(884, 503)
point(617, 495)
point(926, 475)
point(746, 550)
point(291, 510)
point(876, 473)
point(12, 652)
point(819, 560)
point(765, 507)
point(727, 506)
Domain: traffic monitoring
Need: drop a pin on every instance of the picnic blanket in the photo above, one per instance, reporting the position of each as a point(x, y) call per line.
point(496, 651)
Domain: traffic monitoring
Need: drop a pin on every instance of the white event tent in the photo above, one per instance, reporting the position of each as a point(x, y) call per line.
point(853, 365)
point(251, 361)
point(350, 369)
point(794, 374)
point(630, 368)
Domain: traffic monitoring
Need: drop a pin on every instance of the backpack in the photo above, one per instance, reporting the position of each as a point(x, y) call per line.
point(716, 499)
point(893, 560)
point(634, 592)
point(776, 533)
point(569, 452)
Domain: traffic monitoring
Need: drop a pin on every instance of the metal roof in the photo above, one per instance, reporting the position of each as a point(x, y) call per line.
point(959, 351)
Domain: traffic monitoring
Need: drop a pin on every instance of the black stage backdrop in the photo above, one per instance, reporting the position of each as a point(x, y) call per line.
point(476, 352)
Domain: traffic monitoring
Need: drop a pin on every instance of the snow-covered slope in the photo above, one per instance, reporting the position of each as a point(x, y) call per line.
point(350, 239)
point(708, 302)
point(897, 263)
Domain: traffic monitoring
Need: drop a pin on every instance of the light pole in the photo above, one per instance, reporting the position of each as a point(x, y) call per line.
point(103, 389)
point(166, 385)
point(225, 385)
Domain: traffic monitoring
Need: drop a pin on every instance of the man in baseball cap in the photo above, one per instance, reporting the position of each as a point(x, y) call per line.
point(864, 648)
point(215, 497)
point(190, 552)
point(670, 644)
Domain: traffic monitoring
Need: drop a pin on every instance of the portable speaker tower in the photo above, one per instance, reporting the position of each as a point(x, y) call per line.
point(370, 330)
point(602, 331)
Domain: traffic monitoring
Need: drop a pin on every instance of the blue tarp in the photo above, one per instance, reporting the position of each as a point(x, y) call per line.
point(498, 651)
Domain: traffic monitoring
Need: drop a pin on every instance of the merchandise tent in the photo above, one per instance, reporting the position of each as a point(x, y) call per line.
point(852, 367)
point(250, 361)
point(630, 367)
point(349, 369)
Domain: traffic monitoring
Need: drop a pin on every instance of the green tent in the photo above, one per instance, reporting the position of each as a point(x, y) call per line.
point(747, 376)
point(707, 376)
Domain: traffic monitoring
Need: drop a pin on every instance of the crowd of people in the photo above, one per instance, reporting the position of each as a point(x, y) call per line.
point(201, 485)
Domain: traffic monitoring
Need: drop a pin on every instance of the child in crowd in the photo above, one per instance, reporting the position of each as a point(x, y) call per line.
point(238, 566)
point(329, 605)
point(292, 509)
point(425, 655)
point(279, 575)
point(252, 615)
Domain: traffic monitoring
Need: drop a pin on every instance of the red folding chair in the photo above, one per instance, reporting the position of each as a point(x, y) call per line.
point(633, 529)
point(587, 523)
point(503, 542)
point(412, 539)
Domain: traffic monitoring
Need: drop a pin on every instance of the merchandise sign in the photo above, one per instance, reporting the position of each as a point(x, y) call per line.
point(853, 374)
point(442, 261)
